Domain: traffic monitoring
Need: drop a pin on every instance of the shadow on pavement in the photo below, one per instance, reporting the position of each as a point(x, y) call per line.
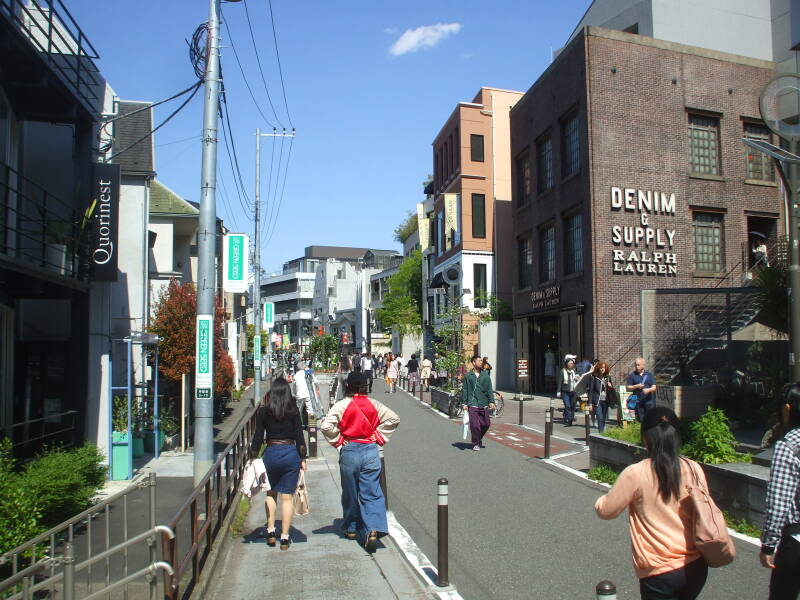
point(259, 535)
point(462, 445)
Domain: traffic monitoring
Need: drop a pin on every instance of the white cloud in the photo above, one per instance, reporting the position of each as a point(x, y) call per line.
point(423, 37)
point(390, 30)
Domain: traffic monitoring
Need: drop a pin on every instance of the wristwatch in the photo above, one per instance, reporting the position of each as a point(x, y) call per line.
point(768, 550)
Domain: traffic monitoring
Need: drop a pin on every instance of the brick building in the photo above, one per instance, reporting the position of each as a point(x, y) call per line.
point(630, 174)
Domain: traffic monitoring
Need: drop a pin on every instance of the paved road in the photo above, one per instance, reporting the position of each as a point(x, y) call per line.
point(517, 528)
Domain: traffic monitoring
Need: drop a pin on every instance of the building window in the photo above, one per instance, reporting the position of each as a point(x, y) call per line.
point(573, 246)
point(547, 253)
point(570, 146)
point(525, 261)
point(478, 215)
point(331, 292)
point(523, 179)
point(759, 165)
point(476, 147)
point(708, 239)
point(544, 164)
point(704, 144)
point(479, 285)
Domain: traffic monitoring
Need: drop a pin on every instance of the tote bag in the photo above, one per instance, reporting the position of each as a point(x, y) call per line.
point(709, 530)
point(300, 499)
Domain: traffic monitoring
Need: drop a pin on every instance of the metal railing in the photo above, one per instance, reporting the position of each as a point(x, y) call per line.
point(37, 227)
point(29, 436)
point(76, 559)
point(50, 28)
point(199, 521)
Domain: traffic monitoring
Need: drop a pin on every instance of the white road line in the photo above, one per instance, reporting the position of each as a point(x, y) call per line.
point(417, 559)
point(555, 437)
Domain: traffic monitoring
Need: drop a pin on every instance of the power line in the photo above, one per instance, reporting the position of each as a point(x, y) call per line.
point(277, 180)
point(258, 61)
point(236, 183)
point(194, 87)
point(278, 56)
point(283, 188)
point(167, 120)
point(193, 137)
point(244, 77)
point(226, 199)
point(232, 149)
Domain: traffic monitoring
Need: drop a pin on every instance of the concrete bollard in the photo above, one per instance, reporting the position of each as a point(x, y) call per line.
point(606, 590)
point(548, 431)
point(587, 425)
point(442, 559)
point(312, 436)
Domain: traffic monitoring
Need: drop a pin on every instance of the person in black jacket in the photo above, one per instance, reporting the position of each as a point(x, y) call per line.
point(600, 392)
point(278, 425)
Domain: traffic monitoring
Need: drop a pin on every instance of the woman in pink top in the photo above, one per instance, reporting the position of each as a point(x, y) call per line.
point(392, 371)
point(659, 513)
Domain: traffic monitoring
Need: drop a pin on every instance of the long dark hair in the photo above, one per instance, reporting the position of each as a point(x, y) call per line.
point(280, 400)
point(661, 437)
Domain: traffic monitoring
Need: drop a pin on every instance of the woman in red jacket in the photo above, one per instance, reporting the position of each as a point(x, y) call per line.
point(359, 426)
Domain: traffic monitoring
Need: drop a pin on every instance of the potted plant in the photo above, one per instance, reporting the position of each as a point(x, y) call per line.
point(167, 425)
point(122, 445)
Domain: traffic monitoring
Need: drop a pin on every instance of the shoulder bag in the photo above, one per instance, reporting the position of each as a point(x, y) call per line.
point(709, 531)
point(300, 498)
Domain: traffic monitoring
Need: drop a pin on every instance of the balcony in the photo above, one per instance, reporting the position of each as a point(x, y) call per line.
point(39, 232)
point(37, 35)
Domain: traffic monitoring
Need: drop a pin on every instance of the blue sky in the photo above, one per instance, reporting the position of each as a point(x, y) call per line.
point(365, 115)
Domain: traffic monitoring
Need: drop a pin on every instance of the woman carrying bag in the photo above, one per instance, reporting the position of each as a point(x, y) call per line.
point(278, 424)
point(660, 494)
point(566, 389)
point(601, 394)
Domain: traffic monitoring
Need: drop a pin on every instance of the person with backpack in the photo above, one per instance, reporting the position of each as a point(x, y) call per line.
point(780, 537)
point(656, 493)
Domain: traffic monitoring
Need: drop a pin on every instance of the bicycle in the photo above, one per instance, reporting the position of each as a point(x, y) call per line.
point(456, 408)
point(499, 404)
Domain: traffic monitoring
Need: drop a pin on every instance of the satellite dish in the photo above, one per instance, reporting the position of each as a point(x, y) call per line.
point(452, 275)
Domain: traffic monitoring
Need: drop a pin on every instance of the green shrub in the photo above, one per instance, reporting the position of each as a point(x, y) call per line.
point(631, 434)
point(711, 440)
point(742, 526)
point(603, 474)
point(64, 481)
point(19, 512)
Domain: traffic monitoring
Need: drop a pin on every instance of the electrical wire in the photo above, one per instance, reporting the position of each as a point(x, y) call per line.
point(164, 122)
point(258, 61)
point(226, 199)
point(283, 188)
point(232, 150)
point(244, 77)
point(244, 203)
point(278, 56)
point(193, 137)
point(276, 180)
point(198, 50)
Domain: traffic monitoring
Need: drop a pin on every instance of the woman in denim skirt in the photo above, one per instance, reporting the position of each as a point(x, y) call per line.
point(278, 425)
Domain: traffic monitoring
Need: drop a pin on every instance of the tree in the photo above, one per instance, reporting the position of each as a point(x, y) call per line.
point(402, 304)
point(409, 225)
point(449, 343)
point(175, 323)
point(323, 348)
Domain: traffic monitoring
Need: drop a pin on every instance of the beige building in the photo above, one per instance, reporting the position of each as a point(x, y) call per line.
point(468, 224)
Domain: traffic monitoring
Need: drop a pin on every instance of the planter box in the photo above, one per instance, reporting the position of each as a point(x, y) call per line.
point(119, 455)
point(442, 401)
point(688, 402)
point(149, 441)
point(739, 488)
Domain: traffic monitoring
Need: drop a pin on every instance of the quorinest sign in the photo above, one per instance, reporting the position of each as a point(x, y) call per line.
point(104, 231)
point(640, 247)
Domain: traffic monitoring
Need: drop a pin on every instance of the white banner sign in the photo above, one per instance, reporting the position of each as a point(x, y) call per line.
point(235, 251)
point(204, 357)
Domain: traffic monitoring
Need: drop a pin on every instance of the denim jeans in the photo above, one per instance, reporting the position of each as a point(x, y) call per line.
point(569, 406)
point(601, 410)
point(363, 504)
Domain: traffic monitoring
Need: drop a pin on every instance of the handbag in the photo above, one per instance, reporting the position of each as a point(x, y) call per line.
point(300, 498)
point(611, 396)
point(709, 531)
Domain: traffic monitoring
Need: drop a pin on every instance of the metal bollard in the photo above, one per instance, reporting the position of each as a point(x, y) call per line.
point(548, 430)
point(588, 425)
point(606, 590)
point(312, 437)
point(69, 572)
point(520, 410)
point(151, 483)
point(443, 578)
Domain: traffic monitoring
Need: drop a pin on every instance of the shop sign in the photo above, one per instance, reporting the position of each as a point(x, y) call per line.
point(640, 248)
point(257, 351)
point(234, 260)
point(269, 315)
point(522, 369)
point(546, 297)
point(104, 212)
point(204, 379)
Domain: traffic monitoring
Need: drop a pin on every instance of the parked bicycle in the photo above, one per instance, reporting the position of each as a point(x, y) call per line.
point(499, 404)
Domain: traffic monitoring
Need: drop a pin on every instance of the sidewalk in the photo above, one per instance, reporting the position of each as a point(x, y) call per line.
point(321, 563)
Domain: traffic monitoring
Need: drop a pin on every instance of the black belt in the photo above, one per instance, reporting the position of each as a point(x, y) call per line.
point(280, 442)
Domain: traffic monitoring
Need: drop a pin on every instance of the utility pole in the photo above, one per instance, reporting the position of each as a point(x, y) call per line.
point(206, 253)
point(793, 218)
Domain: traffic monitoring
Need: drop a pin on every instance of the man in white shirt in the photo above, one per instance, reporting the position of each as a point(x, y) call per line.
point(366, 369)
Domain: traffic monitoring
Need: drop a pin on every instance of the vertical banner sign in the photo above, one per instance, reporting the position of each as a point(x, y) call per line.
point(269, 315)
point(104, 229)
point(204, 363)
point(257, 351)
point(236, 248)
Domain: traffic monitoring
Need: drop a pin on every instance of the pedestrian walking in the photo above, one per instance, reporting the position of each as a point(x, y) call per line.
point(780, 537)
point(566, 389)
point(278, 425)
point(305, 392)
point(600, 393)
point(392, 372)
point(655, 492)
point(642, 384)
point(359, 426)
point(427, 371)
point(413, 374)
point(366, 368)
point(486, 365)
point(477, 396)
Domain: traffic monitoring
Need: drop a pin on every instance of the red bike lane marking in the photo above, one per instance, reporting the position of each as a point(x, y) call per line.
point(528, 443)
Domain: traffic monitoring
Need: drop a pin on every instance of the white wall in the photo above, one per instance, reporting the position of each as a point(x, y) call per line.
point(496, 340)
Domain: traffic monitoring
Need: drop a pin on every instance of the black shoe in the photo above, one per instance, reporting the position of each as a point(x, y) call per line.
point(271, 537)
point(371, 543)
point(285, 543)
point(350, 535)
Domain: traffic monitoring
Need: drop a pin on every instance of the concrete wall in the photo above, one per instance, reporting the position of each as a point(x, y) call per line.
point(496, 340)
